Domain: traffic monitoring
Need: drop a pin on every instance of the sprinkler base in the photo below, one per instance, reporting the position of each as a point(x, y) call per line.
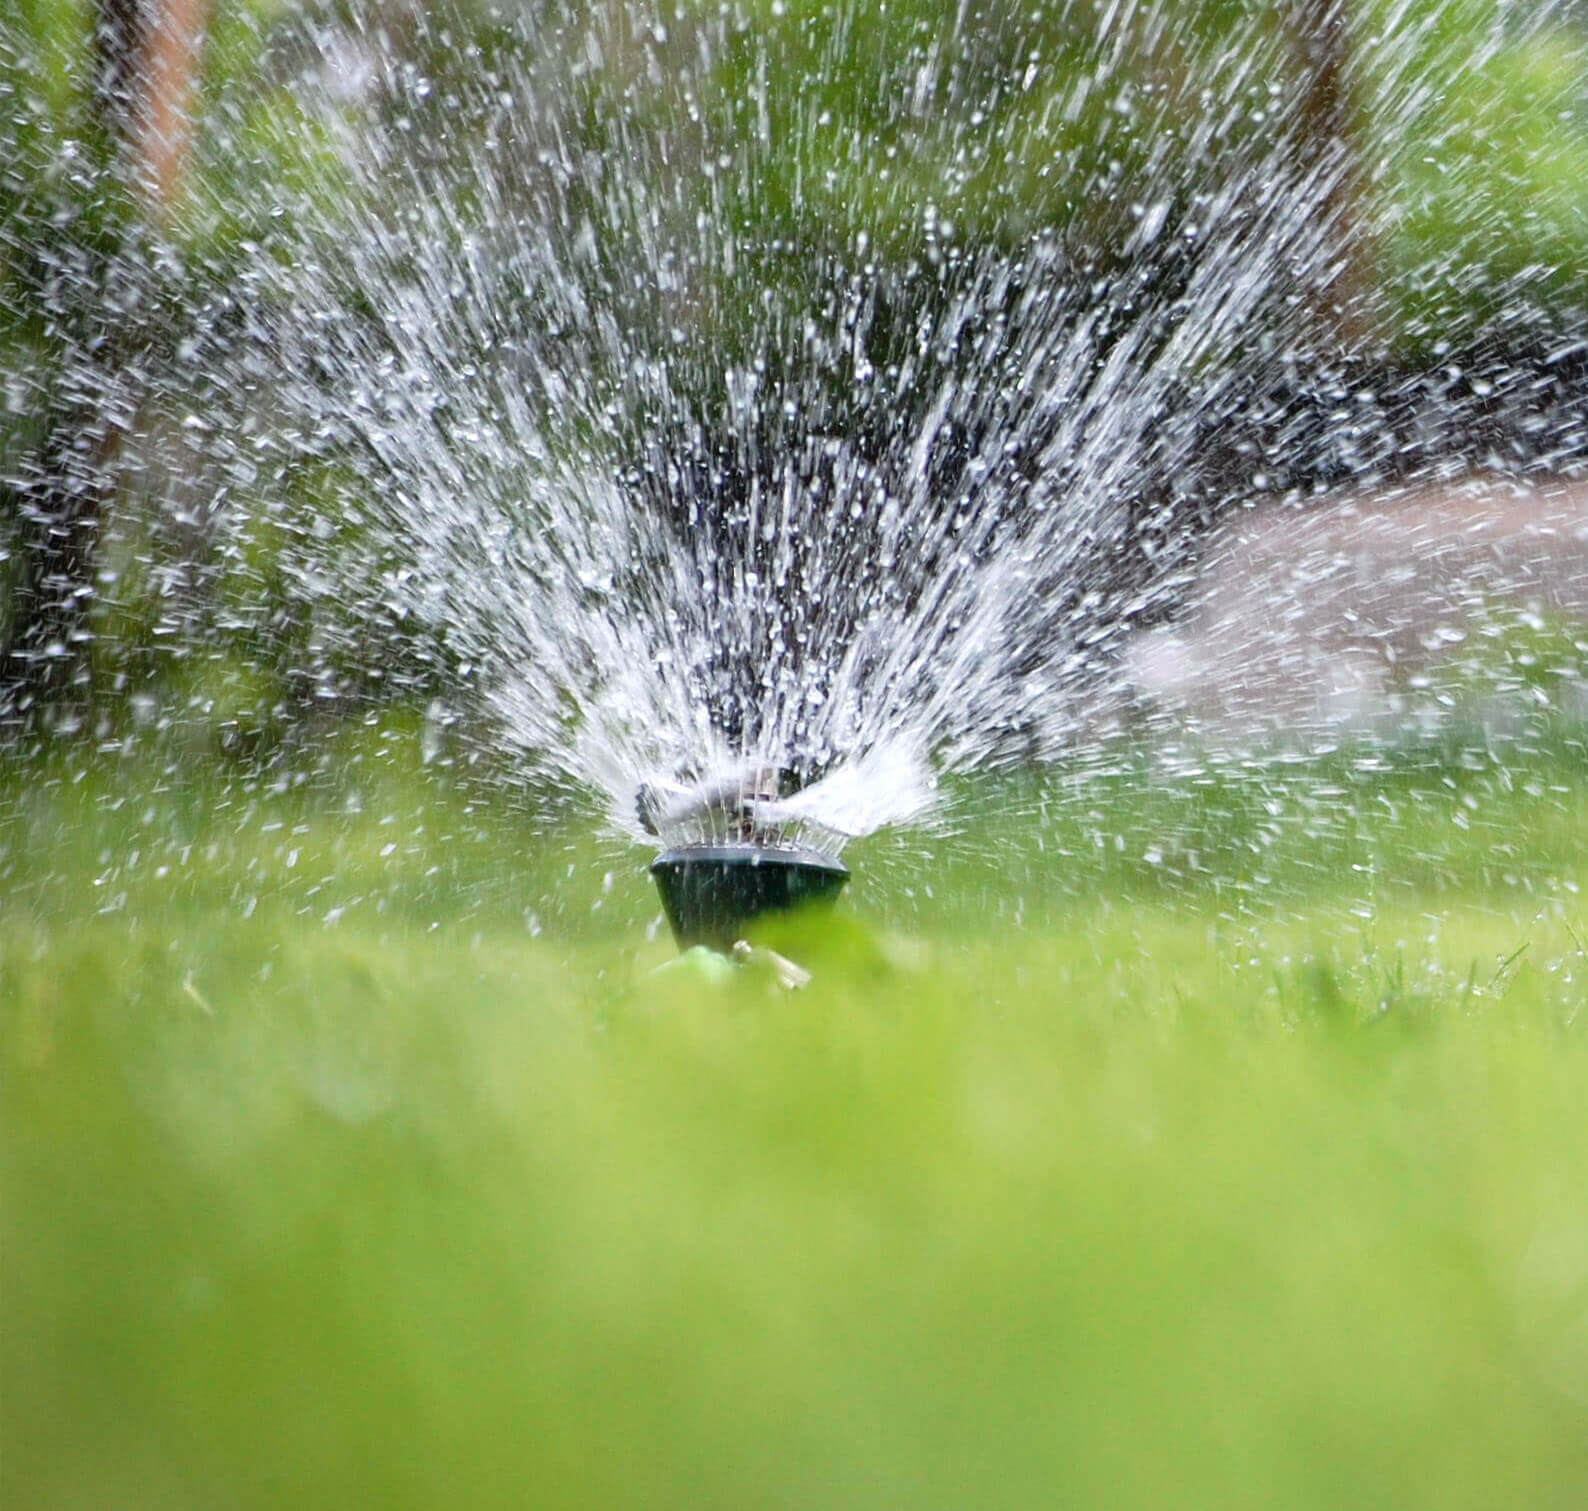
point(711, 893)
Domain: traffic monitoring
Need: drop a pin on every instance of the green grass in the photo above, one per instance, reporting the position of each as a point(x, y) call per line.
point(1211, 1142)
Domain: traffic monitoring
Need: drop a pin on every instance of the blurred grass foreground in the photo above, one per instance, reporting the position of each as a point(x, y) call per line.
point(1219, 1145)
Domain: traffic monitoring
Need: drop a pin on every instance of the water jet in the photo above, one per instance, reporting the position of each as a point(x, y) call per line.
point(695, 397)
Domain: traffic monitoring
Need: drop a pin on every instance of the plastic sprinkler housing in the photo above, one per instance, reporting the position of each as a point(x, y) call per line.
point(732, 853)
point(712, 893)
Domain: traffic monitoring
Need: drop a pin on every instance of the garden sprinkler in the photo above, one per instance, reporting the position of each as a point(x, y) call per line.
point(730, 861)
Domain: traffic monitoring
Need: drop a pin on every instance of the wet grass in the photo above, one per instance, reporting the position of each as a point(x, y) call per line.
point(1081, 1175)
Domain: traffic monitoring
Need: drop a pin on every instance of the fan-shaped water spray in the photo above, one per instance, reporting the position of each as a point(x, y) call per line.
point(677, 392)
point(909, 494)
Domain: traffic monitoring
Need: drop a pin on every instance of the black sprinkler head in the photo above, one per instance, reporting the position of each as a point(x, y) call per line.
point(711, 893)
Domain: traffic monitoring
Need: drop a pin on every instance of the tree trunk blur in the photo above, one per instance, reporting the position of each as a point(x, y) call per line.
point(1344, 284)
point(142, 59)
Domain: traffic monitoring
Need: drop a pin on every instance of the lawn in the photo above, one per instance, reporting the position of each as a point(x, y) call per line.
point(1170, 1135)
